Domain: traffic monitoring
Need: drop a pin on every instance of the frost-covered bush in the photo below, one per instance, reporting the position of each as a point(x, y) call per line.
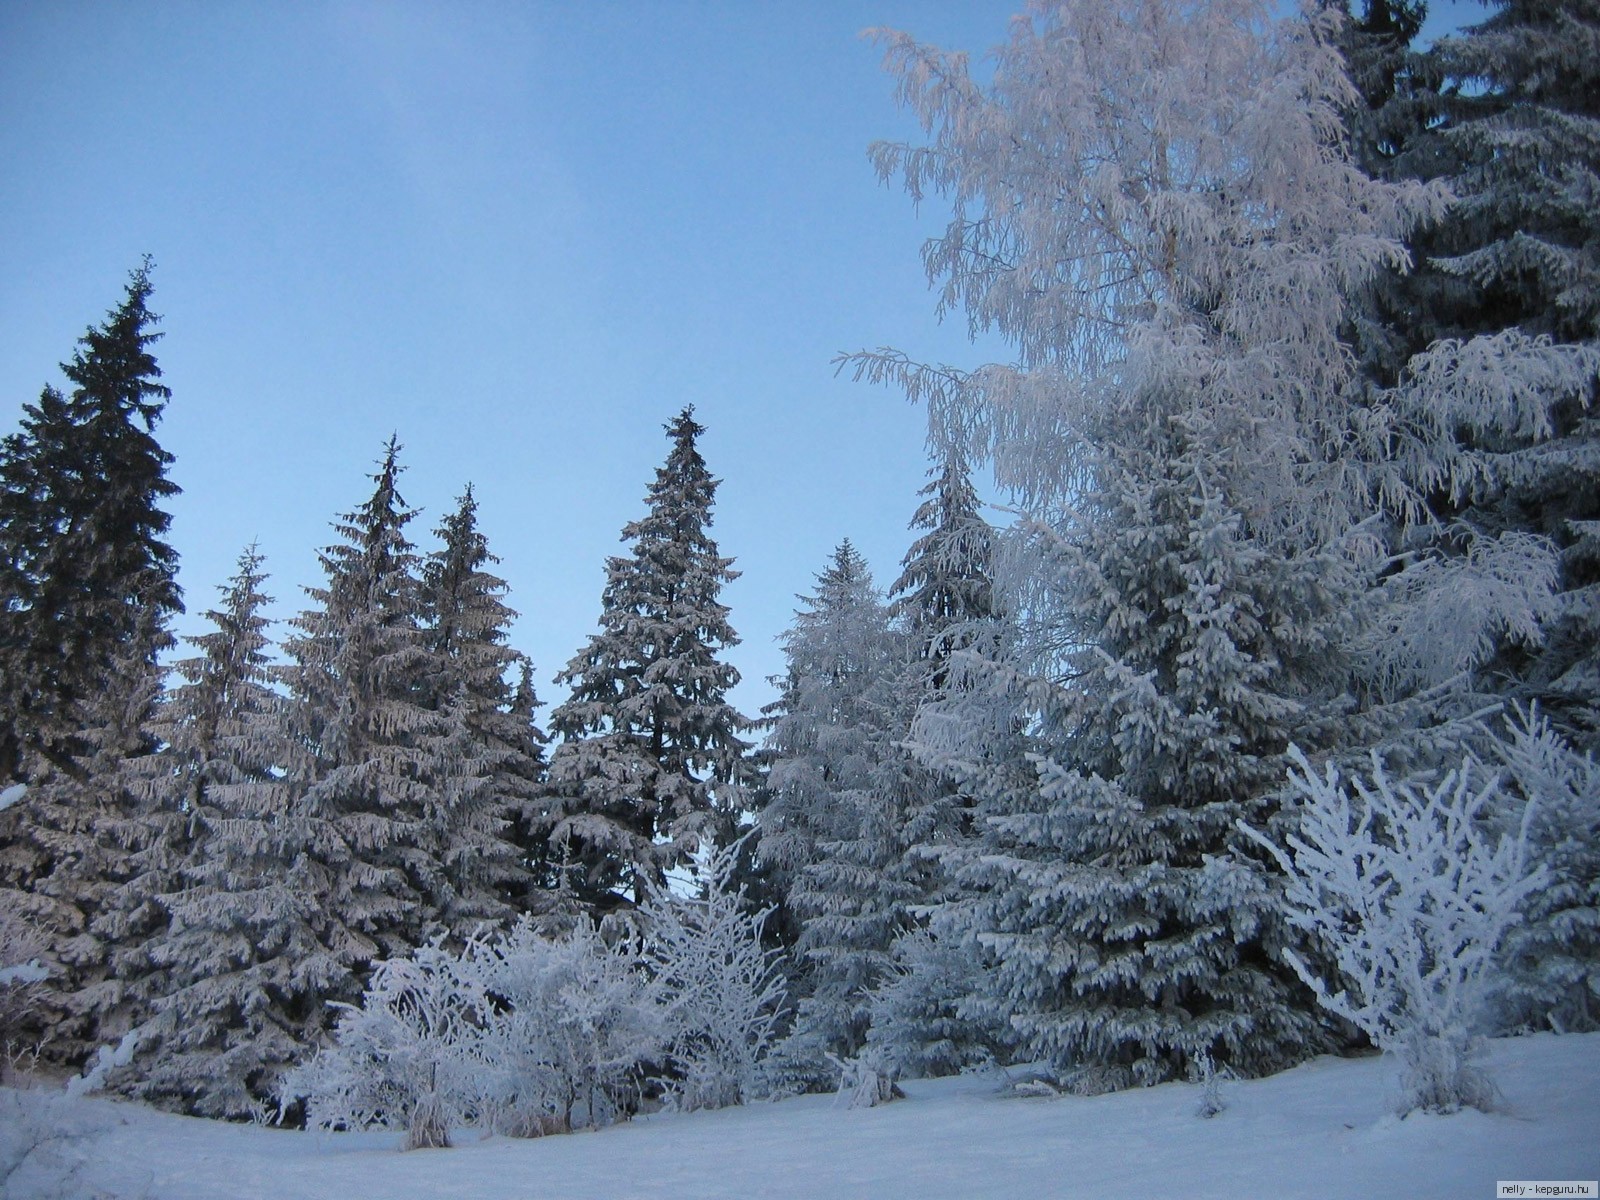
point(577, 1023)
point(411, 1056)
point(722, 991)
point(527, 1033)
point(1411, 898)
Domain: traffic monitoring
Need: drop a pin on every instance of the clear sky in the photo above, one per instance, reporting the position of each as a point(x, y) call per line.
point(521, 236)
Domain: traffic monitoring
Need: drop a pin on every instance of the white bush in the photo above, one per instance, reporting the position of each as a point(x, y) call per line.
point(527, 1034)
point(410, 1056)
point(722, 991)
point(577, 1024)
point(1411, 898)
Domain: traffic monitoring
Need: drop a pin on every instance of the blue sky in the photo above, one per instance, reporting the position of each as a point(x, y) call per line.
point(521, 236)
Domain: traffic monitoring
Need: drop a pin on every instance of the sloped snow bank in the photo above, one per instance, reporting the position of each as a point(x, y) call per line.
point(1323, 1130)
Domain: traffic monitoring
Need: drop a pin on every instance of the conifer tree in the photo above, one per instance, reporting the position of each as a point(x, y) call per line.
point(232, 981)
point(1508, 397)
point(82, 548)
point(79, 836)
point(498, 748)
point(88, 588)
point(839, 789)
point(651, 761)
point(372, 790)
point(945, 603)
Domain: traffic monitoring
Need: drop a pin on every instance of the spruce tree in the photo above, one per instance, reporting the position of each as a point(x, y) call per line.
point(82, 547)
point(488, 855)
point(88, 589)
point(840, 787)
point(80, 835)
point(232, 982)
point(1510, 395)
point(945, 603)
point(372, 784)
point(651, 761)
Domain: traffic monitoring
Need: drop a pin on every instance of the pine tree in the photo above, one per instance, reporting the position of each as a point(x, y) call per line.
point(500, 758)
point(651, 760)
point(82, 551)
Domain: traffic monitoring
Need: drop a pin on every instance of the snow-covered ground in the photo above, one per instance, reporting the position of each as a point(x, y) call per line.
point(1322, 1130)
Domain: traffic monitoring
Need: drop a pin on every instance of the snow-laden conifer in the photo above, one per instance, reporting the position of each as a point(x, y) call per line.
point(240, 965)
point(371, 780)
point(1551, 960)
point(74, 843)
point(82, 538)
point(839, 790)
point(489, 734)
point(1503, 404)
point(651, 761)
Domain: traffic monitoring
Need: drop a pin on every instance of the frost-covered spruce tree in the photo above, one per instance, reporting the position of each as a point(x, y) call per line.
point(240, 965)
point(82, 832)
point(1506, 400)
point(1550, 972)
point(373, 784)
point(87, 582)
point(1171, 254)
point(818, 730)
point(838, 788)
point(650, 760)
point(945, 603)
point(497, 792)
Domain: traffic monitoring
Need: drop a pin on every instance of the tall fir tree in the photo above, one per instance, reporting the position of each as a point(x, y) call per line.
point(231, 982)
point(490, 857)
point(88, 585)
point(1511, 392)
point(82, 537)
point(945, 601)
point(373, 783)
point(839, 788)
point(651, 759)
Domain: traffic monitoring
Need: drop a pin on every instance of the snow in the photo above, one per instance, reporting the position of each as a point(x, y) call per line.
point(1322, 1130)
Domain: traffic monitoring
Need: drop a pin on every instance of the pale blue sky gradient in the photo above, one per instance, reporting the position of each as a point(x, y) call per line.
point(521, 236)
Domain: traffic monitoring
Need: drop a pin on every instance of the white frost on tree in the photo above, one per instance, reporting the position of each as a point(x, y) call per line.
point(409, 1056)
point(650, 762)
point(1410, 897)
point(723, 990)
point(1172, 255)
point(1551, 976)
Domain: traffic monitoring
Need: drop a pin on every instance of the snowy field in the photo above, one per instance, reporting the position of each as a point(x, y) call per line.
point(1322, 1130)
